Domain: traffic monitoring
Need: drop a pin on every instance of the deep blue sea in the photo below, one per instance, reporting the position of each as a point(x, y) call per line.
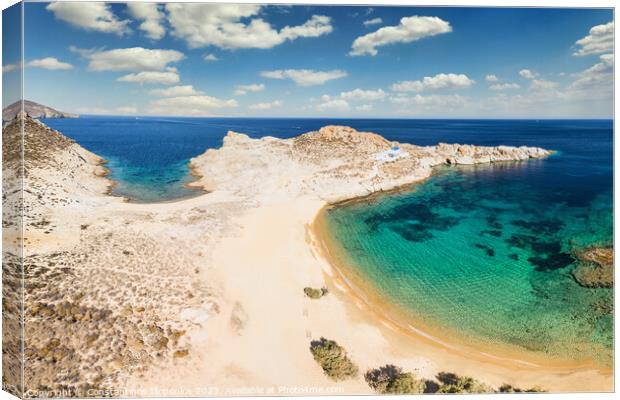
point(485, 250)
point(148, 156)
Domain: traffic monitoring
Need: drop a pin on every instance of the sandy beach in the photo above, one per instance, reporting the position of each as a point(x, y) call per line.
point(204, 296)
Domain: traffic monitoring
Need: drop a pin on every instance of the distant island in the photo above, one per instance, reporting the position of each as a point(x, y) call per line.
point(34, 110)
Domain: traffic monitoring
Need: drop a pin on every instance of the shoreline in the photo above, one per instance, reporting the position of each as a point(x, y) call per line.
point(368, 299)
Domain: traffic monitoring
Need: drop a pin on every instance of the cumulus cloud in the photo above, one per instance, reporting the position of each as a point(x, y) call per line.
point(600, 40)
point(122, 110)
point(129, 59)
point(304, 77)
point(598, 77)
point(409, 30)
point(439, 81)
point(89, 16)
point(50, 63)
point(542, 84)
point(265, 106)
point(491, 78)
point(431, 101)
point(189, 105)
point(168, 77)
point(528, 74)
point(210, 57)
point(374, 21)
point(241, 90)
point(504, 86)
point(226, 26)
point(332, 105)
point(10, 67)
point(175, 91)
point(364, 107)
point(151, 16)
point(363, 95)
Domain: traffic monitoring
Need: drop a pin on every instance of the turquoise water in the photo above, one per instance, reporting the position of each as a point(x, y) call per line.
point(486, 251)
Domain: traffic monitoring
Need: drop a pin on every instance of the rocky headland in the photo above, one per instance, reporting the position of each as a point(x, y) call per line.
point(34, 110)
point(335, 163)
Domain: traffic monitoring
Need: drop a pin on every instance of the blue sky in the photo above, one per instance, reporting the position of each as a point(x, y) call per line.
point(183, 59)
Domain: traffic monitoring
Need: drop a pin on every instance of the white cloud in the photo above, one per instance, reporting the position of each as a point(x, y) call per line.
point(374, 21)
point(49, 63)
point(528, 74)
point(123, 110)
point(431, 101)
point(316, 26)
point(600, 40)
point(265, 106)
point(210, 57)
point(439, 81)
point(491, 78)
point(225, 26)
point(89, 16)
point(241, 90)
point(328, 104)
point(364, 107)
point(175, 91)
point(363, 95)
point(598, 77)
point(127, 110)
point(542, 84)
point(168, 77)
point(189, 105)
point(504, 86)
point(151, 17)
point(304, 77)
point(409, 30)
point(130, 59)
point(10, 67)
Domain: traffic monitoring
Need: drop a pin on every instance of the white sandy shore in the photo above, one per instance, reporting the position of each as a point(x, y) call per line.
point(248, 248)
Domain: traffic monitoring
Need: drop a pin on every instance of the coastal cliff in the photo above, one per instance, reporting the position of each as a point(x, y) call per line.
point(334, 163)
point(33, 110)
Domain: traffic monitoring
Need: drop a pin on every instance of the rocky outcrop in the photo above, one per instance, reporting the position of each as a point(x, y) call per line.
point(334, 163)
point(34, 110)
point(595, 267)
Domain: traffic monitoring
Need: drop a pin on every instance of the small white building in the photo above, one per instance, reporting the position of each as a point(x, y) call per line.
point(394, 153)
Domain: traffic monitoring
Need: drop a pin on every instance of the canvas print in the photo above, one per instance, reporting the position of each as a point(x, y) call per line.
point(220, 199)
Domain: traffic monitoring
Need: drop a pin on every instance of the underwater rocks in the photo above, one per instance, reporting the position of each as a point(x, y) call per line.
point(596, 267)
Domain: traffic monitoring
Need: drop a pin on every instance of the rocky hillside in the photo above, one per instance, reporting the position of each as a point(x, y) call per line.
point(34, 110)
point(334, 163)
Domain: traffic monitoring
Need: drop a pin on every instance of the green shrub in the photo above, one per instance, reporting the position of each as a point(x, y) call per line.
point(315, 293)
point(505, 388)
point(390, 379)
point(453, 383)
point(333, 359)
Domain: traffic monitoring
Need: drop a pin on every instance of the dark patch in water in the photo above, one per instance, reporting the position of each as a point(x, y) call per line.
point(549, 255)
point(493, 223)
point(412, 233)
point(513, 256)
point(546, 227)
point(551, 262)
point(414, 222)
point(492, 232)
point(521, 241)
point(489, 251)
